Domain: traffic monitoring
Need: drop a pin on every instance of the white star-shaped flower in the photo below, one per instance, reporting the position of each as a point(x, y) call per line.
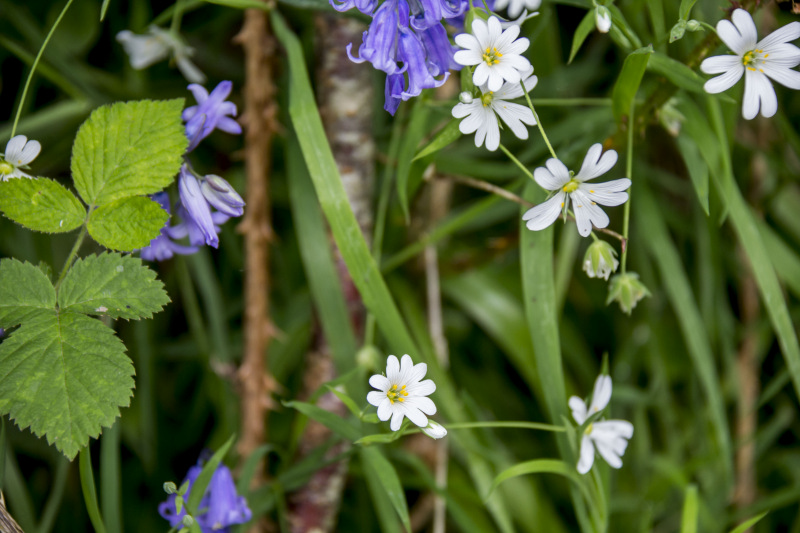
point(402, 393)
point(771, 57)
point(515, 7)
point(19, 152)
point(608, 436)
point(481, 113)
point(495, 51)
point(585, 196)
point(144, 50)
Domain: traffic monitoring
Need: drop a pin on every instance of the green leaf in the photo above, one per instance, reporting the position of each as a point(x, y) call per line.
point(697, 167)
point(41, 204)
point(204, 478)
point(379, 438)
point(242, 4)
point(686, 8)
point(629, 80)
point(127, 224)
point(332, 421)
point(113, 285)
point(584, 29)
point(346, 400)
point(25, 291)
point(747, 524)
point(128, 149)
point(622, 29)
point(377, 466)
point(103, 9)
point(406, 165)
point(64, 375)
point(676, 72)
point(690, 510)
point(537, 466)
point(447, 135)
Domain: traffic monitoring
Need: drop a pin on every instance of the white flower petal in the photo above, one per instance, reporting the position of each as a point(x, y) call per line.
point(720, 64)
point(725, 81)
point(495, 31)
point(392, 369)
point(406, 370)
point(607, 451)
point(482, 33)
point(610, 193)
point(594, 165)
point(557, 175)
point(602, 21)
point(380, 382)
point(619, 428)
point(386, 410)
point(434, 430)
point(467, 57)
point(189, 70)
point(785, 76)
point(422, 403)
point(586, 455)
point(376, 398)
point(418, 372)
point(786, 34)
point(492, 129)
point(587, 213)
point(507, 36)
point(397, 417)
point(601, 394)
point(544, 214)
point(758, 94)
point(578, 407)
point(782, 55)
point(515, 116)
point(14, 147)
point(423, 388)
point(482, 74)
point(414, 414)
point(740, 35)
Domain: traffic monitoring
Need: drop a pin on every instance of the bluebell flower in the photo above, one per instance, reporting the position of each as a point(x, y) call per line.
point(219, 193)
point(197, 199)
point(408, 42)
point(212, 112)
point(164, 247)
point(196, 207)
point(219, 508)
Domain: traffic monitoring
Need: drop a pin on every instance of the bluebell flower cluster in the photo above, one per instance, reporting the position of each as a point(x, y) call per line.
point(219, 508)
point(408, 42)
point(206, 202)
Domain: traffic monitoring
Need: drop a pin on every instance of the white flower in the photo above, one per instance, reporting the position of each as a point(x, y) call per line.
point(608, 436)
point(515, 7)
point(496, 52)
point(144, 50)
point(401, 393)
point(585, 196)
point(434, 430)
point(19, 152)
point(481, 113)
point(602, 19)
point(771, 57)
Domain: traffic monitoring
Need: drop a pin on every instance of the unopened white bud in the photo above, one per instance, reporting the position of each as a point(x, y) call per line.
point(465, 98)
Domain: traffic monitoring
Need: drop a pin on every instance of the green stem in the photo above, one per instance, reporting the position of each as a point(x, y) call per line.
point(538, 122)
point(629, 174)
point(89, 491)
point(516, 161)
point(511, 424)
point(73, 253)
point(570, 102)
point(175, 26)
point(33, 67)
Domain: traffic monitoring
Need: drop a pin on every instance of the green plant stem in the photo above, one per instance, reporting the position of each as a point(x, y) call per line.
point(89, 491)
point(72, 254)
point(629, 173)
point(177, 13)
point(538, 122)
point(571, 102)
point(509, 424)
point(516, 161)
point(33, 67)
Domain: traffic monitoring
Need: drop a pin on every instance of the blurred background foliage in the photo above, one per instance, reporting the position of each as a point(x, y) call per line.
point(186, 397)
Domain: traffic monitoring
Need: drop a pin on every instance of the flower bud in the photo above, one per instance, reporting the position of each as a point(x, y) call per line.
point(694, 25)
point(602, 19)
point(465, 98)
point(677, 31)
point(369, 357)
point(627, 290)
point(221, 195)
point(600, 260)
point(170, 487)
point(434, 430)
point(187, 521)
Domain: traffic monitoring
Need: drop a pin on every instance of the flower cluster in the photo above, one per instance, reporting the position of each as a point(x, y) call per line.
point(206, 202)
point(609, 437)
point(219, 508)
point(19, 152)
point(408, 42)
point(156, 45)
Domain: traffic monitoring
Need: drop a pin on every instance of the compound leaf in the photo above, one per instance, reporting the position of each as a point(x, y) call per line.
point(64, 375)
point(113, 285)
point(41, 204)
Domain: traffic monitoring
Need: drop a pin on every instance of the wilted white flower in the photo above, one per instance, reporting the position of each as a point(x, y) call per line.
point(585, 196)
point(19, 152)
point(608, 436)
point(627, 290)
point(495, 51)
point(771, 57)
point(602, 19)
point(515, 7)
point(144, 50)
point(481, 113)
point(434, 430)
point(402, 393)
point(600, 260)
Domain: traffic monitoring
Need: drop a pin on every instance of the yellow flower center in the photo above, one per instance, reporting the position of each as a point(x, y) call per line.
point(571, 186)
point(588, 430)
point(753, 59)
point(491, 56)
point(397, 395)
point(486, 98)
point(6, 168)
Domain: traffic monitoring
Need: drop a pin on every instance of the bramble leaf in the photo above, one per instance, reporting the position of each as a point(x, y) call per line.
point(64, 375)
point(41, 204)
point(127, 224)
point(128, 149)
point(24, 292)
point(113, 285)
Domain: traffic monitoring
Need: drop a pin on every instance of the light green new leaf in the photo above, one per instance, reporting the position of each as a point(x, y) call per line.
point(127, 224)
point(114, 285)
point(25, 291)
point(690, 510)
point(41, 204)
point(447, 135)
point(686, 8)
point(332, 421)
point(629, 80)
point(64, 375)
point(128, 149)
point(747, 524)
point(377, 466)
point(584, 29)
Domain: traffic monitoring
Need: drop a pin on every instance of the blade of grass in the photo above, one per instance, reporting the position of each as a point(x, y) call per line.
point(690, 510)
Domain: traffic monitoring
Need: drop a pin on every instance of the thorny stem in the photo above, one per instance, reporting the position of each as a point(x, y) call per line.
point(72, 254)
point(629, 174)
point(35, 64)
point(538, 122)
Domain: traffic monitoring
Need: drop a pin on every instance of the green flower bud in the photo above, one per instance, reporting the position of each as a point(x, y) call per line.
point(600, 260)
point(170, 487)
point(694, 25)
point(369, 357)
point(677, 31)
point(188, 521)
point(627, 290)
